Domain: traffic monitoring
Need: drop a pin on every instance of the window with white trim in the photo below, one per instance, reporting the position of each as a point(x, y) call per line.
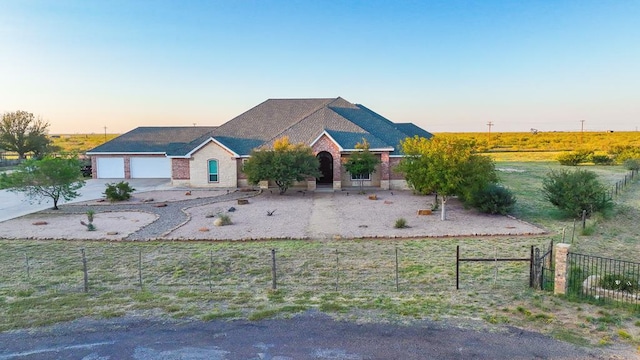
point(365, 177)
point(213, 170)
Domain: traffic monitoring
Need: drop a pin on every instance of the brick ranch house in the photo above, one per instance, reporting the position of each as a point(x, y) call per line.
point(200, 156)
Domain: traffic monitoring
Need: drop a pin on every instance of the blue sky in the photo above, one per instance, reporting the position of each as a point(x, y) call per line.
point(443, 65)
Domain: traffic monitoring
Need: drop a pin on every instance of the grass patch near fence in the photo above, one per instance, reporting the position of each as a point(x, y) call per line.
point(41, 282)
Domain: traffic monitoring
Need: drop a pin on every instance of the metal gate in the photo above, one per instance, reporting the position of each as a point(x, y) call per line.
point(543, 268)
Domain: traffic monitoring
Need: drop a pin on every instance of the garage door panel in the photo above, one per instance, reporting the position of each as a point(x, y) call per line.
point(150, 167)
point(110, 168)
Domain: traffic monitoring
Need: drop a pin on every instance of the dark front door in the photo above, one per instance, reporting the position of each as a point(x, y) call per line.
point(326, 168)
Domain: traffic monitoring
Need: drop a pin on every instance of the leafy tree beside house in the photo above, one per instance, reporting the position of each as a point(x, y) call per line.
point(285, 164)
point(446, 167)
point(49, 177)
point(22, 133)
point(361, 163)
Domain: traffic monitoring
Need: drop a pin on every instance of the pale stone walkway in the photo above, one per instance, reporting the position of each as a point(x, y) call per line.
point(324, 217)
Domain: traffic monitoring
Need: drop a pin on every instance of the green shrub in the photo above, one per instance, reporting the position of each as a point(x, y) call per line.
point(602, 159)
point(493, 199)
point(574, 158)
point(619, 282)
point(118, 192)
point(575, 191)
point(632, 164)
point(224, 219)
point(401, 223)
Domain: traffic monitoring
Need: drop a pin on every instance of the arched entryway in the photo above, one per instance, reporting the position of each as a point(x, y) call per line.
point(326, 168)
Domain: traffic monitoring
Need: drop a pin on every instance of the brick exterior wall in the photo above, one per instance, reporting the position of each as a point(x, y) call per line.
point(561, 253)
point(325, 144)
point(127, 167)
point(241, 174)
point(384, 166)
point(180, 169)
point(393, 175)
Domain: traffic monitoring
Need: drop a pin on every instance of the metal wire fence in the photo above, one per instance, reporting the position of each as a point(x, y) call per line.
point(297, 266)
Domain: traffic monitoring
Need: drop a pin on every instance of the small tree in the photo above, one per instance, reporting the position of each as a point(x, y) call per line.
point(362, 162)
point(575, 191)
point(49, 177)
point(284, 165)
point(21, 132)
point(445, 166)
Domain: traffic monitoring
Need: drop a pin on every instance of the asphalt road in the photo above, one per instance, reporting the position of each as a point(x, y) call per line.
point(309, 336)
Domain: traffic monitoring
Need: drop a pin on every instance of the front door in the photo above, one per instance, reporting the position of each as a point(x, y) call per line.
point(326, 168)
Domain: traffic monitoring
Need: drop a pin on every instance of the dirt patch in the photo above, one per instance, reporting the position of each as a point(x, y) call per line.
point(109, 226)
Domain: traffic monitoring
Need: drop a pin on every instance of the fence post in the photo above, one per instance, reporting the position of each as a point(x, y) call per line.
point(274, 282)
point(397, 276)
point(532, 268)
point(457, 267)
point(560, 278)
point(140, 268)
point(26, 260)
point(84, 270)
point(337, 269)
point(210, 269)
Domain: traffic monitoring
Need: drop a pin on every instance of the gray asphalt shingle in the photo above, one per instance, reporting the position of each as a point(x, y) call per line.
point(301, 120)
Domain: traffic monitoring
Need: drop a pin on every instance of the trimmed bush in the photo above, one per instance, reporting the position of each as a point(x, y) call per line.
point(118, 192)
point(575, 191)
point(493, 199)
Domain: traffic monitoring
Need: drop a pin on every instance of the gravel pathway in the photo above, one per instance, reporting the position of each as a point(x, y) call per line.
point(169, 217)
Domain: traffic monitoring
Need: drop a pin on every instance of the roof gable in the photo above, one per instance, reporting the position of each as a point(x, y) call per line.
point(270, 118)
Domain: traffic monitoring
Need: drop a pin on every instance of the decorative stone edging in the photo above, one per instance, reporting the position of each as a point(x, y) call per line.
point(188, 216)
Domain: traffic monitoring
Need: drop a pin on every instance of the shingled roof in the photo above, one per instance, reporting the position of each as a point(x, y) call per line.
point(154, 140)
point(301, 120)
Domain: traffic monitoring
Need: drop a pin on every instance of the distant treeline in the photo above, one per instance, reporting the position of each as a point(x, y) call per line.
point(605, 142)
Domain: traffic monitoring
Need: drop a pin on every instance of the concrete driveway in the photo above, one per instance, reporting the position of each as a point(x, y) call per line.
point(13, 205)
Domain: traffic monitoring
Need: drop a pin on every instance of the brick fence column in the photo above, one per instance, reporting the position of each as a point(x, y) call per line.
point(560, 280)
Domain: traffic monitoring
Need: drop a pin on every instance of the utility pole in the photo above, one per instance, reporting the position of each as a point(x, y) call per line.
point(490, 124)
point(105, 134)
point(581, 130)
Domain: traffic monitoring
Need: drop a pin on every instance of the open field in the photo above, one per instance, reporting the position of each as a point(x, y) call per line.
point(550, 141)
point(80, 143)
point(542, 142)
point(355, 279)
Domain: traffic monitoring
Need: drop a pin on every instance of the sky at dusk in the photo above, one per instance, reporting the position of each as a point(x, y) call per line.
point(446, 66)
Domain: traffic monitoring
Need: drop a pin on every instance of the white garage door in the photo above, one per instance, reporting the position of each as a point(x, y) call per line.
point(110, 168)
point(150, 167)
